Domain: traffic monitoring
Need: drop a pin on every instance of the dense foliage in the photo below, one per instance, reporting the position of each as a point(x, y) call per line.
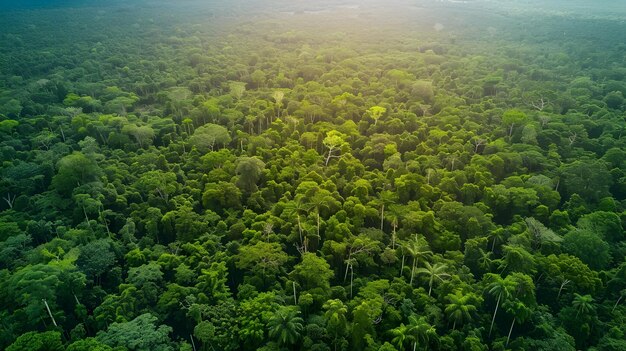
point(360, 178)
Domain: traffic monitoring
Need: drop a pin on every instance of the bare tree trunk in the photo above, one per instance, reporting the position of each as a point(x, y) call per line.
point(494, 314)
point(330, 154)
point(106, 225)
point(318, 224)
point(617, 303)
point(62, 133)
point(50, 313)
point(413, 271)
point(86, 217)
point(10, 200)
point(300, 228)
point(510, 331)
point(561, 288)
point(351, 279)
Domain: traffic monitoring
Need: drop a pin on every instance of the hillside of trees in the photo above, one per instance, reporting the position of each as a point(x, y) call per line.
point(237, 177)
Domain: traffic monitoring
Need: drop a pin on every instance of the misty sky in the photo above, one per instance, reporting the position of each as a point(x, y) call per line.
point(615, 8)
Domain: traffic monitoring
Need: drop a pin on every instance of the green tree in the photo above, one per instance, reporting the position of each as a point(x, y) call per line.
point(88, 344)
point(313, 274)
point(266, 259)
point(416, 247)
point(614, 99)
point(518, 259)
point(588, 178)
point(435, 272)
point(237, 89)
point(209, 137)
point(376, 112)
point(461, 307)
point(400, 336)
point(221, 196)
point(499, 288)
point(12, 108)
point(286, 325)
point(589, 247)
point(584, 304)
point(385, 199)
point(38, 292)
point(212, 282)
point(73, 171)
point(8, 125)
point(607, 225)
point(258, 78)
point(298, 209)
point(399, 77)
point(205, 332)
point(334, 142)
point(253, 318)
point(278, 96)
point(163, 184)
point(568, 272)
point(142, 134)
point(420, 332)
point(34, 341)
point(336, 322)
point(140, 334)
point(423, 90)
point(96, 258)
point(249, 170)
point(541, 235)
point(514, 117)
point(520, 313)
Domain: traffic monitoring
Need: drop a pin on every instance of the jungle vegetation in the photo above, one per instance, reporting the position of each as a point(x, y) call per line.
point(267, 175)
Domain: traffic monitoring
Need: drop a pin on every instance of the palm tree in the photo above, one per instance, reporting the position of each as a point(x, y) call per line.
point(452, 159)
point(296, 209)
point(393, 217)
point(318, 202)
point(278, 98)
point(285, 325)
point(435, 272)
point(350, 267)
point(621, 296)
point(496, 236)
point(417, 248)
point(386, 198)
point(420, 331)
point(460, 308)
point(188, 124)
point(583, 303)
point(564, 282)
point(502, 289)
point(335, 315)
point(400, 335)
point(484, 261)
point(519, 311)
point(517, 259)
